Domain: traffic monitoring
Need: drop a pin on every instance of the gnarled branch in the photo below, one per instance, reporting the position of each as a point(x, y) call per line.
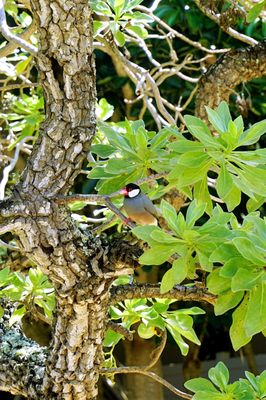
point(226, 73)
point(179, 292)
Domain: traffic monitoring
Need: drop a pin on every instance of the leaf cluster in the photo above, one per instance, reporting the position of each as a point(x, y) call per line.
point(217, 387)
point(152, 316)
point(29, 292)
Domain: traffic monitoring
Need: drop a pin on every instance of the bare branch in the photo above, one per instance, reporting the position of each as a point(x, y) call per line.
point(9, 246)
point(217, 19)
point(156, 353)
point(4, 29)
point(152, 375)
point(146, 290)
point(178, 34)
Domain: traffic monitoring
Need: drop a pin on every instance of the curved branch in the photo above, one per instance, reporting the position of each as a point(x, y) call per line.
point(4, 29)
point(179, 292)
point(230, 70)
point(152, 375)
point(11, 46)
point(155, 355)
point(231, 32)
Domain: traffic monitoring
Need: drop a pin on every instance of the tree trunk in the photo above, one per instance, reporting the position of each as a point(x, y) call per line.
point(73, 262)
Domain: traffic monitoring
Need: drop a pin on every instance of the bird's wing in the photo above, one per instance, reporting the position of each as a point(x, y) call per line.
point(149, 206)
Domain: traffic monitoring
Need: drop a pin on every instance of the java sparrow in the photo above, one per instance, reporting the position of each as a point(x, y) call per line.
point(138, 206)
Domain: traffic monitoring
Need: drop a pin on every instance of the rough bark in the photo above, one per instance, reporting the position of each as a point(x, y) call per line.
point(80, 266)
point(231, 69)
point(22, 364)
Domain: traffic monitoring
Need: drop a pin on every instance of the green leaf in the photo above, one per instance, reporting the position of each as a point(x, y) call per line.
point(227, 301)
point(2, 312)
point(144, 233)
point(111, 338)
point(202, 195)
point(157, 255)
point(245, 279)
point(255, 11)
point(182, 145)
point(119, 38)
point(219, 375)
point(252, 380)
point(194, 212)
point(231, 266)
point(99, 26)
point(103, 150)
point(22, 65)
point(182, 323)
point(118, 6)
point(255, 320)
point(249, 251)
point(253, 134)
point(194, 159)
point(233, 198)
point(219, 124)
point(116, 165)
point(4, 276)
point(254, 204)
point(238, 333)
point(200, 384)
point(139, 30)
point(188, 176)
point(180, 270)
point(145, 332)
point(218, 284)
point(17, 315)
point(170, 215)
point(224, 182)
point(104, 110)
point(201, 131)
point(101, 7)
point(178, 339)
point(164, 238)
point(168, 281)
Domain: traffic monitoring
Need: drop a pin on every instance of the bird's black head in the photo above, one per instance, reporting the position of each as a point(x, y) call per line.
point(131, 190)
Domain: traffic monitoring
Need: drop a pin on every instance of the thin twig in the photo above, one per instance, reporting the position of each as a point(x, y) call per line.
point(146, 369)
point(152, 375)
point(178, 34)
point(157, 352)
point(9, 246)
point(18, 86)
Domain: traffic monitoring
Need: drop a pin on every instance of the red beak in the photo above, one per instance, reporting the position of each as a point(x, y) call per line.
point(124, 191)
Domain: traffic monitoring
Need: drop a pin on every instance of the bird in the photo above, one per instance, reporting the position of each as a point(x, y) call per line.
point(138, 206)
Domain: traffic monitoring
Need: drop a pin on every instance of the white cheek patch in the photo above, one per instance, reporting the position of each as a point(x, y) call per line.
point(133, 193)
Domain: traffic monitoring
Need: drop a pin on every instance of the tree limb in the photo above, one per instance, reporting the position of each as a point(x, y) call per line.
point(146, 290)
